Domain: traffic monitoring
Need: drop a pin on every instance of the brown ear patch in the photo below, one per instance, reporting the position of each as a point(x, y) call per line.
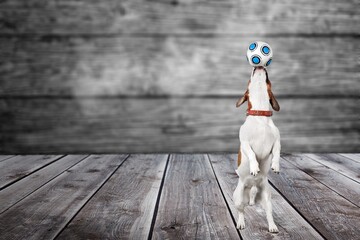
point(243, 99)
point(274, 104)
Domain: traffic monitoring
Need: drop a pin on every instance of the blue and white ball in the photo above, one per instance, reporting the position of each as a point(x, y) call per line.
point(259, 54)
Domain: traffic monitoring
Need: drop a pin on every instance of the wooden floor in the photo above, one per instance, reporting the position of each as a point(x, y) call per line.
point(176, 196)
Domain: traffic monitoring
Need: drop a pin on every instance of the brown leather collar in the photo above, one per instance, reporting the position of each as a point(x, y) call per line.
point(259, 113)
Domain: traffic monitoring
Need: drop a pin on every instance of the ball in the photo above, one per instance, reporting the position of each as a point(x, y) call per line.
point(259, 54)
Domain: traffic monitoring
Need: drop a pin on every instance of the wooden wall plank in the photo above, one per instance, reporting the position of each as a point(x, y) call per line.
point(191, 205)
point(339, 163)
point(44, 213)
point(344, 186)
point(173, 66)
point(332, 215)
point(124, 207)
point(21, 166)
point(168, 125)
point(180, 48)
point(179, 16)
point(290, 223)
point(28, 185)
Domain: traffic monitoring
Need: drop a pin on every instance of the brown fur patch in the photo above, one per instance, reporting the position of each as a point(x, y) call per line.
point(274, 104)
point(239, 157)
point(244, 98)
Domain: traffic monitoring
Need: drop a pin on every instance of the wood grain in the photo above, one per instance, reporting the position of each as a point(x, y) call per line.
point(5, 157)
point(339, 163)
point(179, 16)
point(21, 166)
point(344, 186)
point(290, 223)
point(352, 156)
point(168, 125)
point(191, 204)
point(124, 207)
point(173, 66)
point(44, 213)
point(319, 205)
point(31, 183)
point(82, 198)
point(55, 51)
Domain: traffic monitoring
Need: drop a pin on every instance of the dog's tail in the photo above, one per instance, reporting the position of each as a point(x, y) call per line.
point(253, 192)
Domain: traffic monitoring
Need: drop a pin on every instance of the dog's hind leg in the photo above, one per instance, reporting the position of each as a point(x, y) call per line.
point(266, 204)
point(239, 197)
point(241, 219)
point(275, 165)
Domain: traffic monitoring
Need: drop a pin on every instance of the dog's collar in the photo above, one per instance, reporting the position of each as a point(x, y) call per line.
point(259, 113)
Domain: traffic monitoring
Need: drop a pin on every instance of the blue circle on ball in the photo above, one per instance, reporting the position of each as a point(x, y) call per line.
point(255, 60)
point(252, 46)
point(268, 62)
point(265, 50)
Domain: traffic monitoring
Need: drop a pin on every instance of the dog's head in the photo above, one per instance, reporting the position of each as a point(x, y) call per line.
point(273, 102)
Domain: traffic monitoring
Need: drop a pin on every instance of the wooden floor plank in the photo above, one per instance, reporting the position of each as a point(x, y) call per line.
point(352, 156)
point(291, 225)
point(344, 186)
point(332, 215)
point(44, 213)
point(21, 166)
point(339, 163)
point(29, 184)
point(124, 207)
point(5, 157)
point(191, 204)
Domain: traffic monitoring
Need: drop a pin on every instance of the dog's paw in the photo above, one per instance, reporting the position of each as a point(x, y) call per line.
point(254, 169)
point(240, 225)
point(252, 202)
point(273, 228)
point(275, 166)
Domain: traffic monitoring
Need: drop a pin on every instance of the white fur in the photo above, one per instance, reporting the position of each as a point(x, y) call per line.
point(260, 147)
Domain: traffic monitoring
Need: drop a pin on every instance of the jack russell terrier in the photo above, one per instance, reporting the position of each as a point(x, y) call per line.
point(259, 148)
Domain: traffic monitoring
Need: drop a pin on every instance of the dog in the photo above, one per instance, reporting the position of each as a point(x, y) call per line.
point(259, 148)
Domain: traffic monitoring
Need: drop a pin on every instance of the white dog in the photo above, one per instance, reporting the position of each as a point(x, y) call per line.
point(260, 147)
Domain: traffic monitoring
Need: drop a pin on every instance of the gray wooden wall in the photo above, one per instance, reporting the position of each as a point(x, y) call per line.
point(164, 75)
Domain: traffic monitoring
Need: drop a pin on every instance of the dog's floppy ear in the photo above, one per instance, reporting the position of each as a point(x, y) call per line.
point(274, 104)
point(242, 99)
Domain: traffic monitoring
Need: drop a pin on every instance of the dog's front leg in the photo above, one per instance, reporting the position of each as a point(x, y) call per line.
point(254, 165)
point(275, 166)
